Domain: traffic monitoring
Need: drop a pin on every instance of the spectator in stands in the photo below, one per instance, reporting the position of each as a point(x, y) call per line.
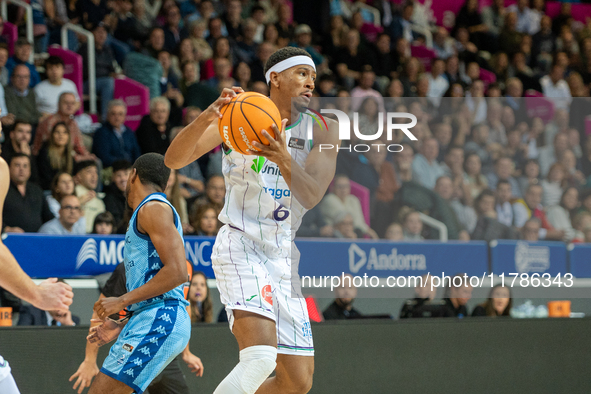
point(554, 85)
point(86, 178)
point(104, 63)
point(190, 177)
point(341, 200)
point(503, 207)
point(153, 133)
point(190, 76)
point(458, 293)
point(401, 26)
point(488, 227)
point(424, 293)
point(66, 109)
point(479, 145)
point(503, 171)
point(4, 74)
point(62, 185)
point(22, 52)
point(115, 141)
point(222, 73)
point(425, 167)
point(499, 303)
point(303, 39)
point(442, 44)
point(531, 230)
point(453, 165)
point(465, 216)
point(68, 222)
point(438, 84)
point(531, 206)
point(47, 92)
point(173, 33)
point(394, 232)
point(257, 66)
point(510, 38)
point(531, 174)
point(543, 44)
point(494, 17)
point(344, 226)
point(412, 225)
point(351, 59)
point(200, 299)
point(115, 201)
point(55, 155)
point(559, 124)
point(155, 42)
point(104, 224)
point(528, 22)
point(169, 81)
point(573, 176)
point(31, 316)
point(342, 306)
point(247, 47)
point(314, 225)
point(552, 153)
point(553, 186)
point(20, 100)
point(173, 194)
point(19, 142)
point(25, 208)
point(215, 192)
point(205, 220)
point(560, 216)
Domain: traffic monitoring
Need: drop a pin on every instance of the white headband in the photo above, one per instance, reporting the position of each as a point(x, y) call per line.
point(289, 63)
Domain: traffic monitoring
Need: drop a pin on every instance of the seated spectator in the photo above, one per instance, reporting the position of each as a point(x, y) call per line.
point(479, 145)
point(86, 178)
point(503, 206)
point(25, 208)
point(104, 62)
point(344, 227)
point(503, 171)
point(531, 206)
point(425, 167)
point(62, 185)
point(550, 154)
point(457, 296)
point(314, 225)
point(499, 303)
point(4, 74)
point(515, 149)
point(573, 176)
point(173, 194)
point(215, 192)
point(169, 81)
point(531, 230)
point(367, 80)
point(247, 47)
point(190, 177)
point(173, 34)
point(205, 220)
point(19, 142)
point(424, 293)
point(553, 186)
point(473, 178)
point(68, 222)
point(153, 133)
point(115, 141)
point(394, 232)
point(200, 299)
point(412, 225)
point(104, 224)
point(488, 227)
point(155, 42)
point(303, 39)
point(340, 200)
point(222, 71)
point(22, 52)
point(31, 316)
point(464, 215)
point(48, 92)
point(20, 100)
point(115, 201)
point(67, 105)
point(55, 156)
point(342, 307)
point(581, 221)
point(560, 216)
point(554, 85)
point(190, 76)
point(531, 174)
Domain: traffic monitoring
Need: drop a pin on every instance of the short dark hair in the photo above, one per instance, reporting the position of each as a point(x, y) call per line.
point(17, 155)
point(104, 217)
point(54, 61)
point(503, 182)
point(19, 121)
point(82, 165)
point(282, 54)
point(151, 169)
point(120, 165)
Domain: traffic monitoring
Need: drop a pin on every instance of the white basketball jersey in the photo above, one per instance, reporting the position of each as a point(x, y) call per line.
point(258, 200)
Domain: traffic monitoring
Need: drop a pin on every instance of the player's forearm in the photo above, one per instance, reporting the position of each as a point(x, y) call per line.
point(20, 284)
point(302, 185)
point(184, 148)
point(165, 280)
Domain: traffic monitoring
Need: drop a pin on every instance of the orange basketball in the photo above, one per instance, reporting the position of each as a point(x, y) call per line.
point(244, 118)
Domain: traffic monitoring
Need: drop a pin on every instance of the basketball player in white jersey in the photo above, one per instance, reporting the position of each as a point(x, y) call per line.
point(267, 194)
point(48, 295)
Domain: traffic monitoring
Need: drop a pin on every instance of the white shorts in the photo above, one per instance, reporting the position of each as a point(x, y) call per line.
point(257, 278)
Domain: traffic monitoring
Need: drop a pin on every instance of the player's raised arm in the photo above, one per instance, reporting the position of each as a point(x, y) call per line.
point(156, 220)
point(201, 135)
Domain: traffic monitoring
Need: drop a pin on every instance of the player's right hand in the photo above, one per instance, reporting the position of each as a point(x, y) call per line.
point(104, 333)
point(54, 295)
point(86, 371)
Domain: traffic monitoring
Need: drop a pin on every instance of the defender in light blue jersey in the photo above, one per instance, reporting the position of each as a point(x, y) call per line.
point(159, 327)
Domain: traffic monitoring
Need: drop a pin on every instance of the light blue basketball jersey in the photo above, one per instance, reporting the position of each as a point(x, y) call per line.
point(142, 261)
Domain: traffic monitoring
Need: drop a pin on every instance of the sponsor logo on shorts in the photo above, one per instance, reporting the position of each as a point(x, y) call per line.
point(267, 295)
point(128, 347)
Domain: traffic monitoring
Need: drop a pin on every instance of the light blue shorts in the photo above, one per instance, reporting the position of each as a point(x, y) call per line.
point(151, 339)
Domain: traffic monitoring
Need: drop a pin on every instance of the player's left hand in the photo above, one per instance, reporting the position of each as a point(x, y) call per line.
point(276, 151)
point(105, 307)
point(194, 363)
point(102, 334)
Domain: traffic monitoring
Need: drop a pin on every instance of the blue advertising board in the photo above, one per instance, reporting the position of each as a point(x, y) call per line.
point(523, 257)
point(383, 258)
point(580, 260)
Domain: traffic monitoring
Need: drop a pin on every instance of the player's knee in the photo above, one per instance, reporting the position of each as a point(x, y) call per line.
point(259, 362)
